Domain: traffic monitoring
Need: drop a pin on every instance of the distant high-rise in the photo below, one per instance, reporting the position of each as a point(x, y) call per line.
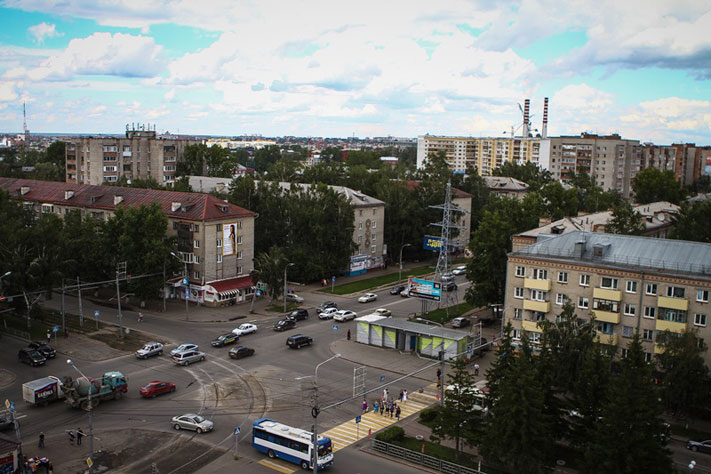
point(24, 126)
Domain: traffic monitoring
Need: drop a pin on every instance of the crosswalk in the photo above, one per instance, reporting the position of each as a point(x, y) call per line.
point(350, 432)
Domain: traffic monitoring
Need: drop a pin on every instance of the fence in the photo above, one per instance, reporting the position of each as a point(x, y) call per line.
point(423, 459)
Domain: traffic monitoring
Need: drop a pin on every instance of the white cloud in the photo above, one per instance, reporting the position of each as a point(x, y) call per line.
point(42, 31)
point(671, 114)
point(7, 91)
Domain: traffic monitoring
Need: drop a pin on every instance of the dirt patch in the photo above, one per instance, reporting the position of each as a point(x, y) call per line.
point(129, 343)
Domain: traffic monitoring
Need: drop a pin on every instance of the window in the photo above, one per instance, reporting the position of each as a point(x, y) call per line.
point(239, 240)
point(647, 335)
point(375, 210)
point(650, 312)
point(583, 302)
point(520, 271)
point(360, 212)
point(197, 244)
point(219, 243)
point(630, 309)
point(518, 292)
point(360, 225)
point(374, 223)
point(538, 295)
point(373, 237)
point(608, 283)
point(702, 296)
point(631, 286)
point(239, 255)
point(539, 274)
point(534, 337)
point(372, 249)
point(219, 227)
point(239, 270)
point(239, 224)
point(219, 258)
point(699, 320)
point(675, 291)
point(624, 352)
point(673, 315)
point(196, 275)
point(197, 259)
point(560, 299)
point(360, 238)
point(605, 328)
point(562, 277)
point(627, 331)
point(516, 334)
point(651, 289)
point(518, 313)
point(606, 305)
point(584, 280)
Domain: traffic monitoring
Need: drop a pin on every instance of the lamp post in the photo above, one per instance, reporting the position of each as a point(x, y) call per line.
point(314, 414)
point(91, 409)
point(399, 275)
point(287, 266)
point(186, 281)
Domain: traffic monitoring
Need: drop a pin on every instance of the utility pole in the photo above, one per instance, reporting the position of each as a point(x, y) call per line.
point(314, 413)
point(91, 426)
point(120, 273)
point(187, 289)
point(81, 312)
point(441, 379)
point(399, 275)
point(164, 295)
point(287, 266)
point(64, 325)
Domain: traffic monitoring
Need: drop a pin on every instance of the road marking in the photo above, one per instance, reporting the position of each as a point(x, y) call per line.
point(278, 465)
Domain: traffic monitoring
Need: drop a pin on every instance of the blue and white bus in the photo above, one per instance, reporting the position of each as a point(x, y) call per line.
point(290, 444)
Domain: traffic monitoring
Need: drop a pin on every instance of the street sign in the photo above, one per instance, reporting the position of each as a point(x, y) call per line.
point(335, 327)
point(187, 293)
point(89, 462)
point(55, 329)
point(7, 404)
point(185, 281)
point(12, 406)
point(382, 378)
point(236, 430)
point(357, 419)
point(96, 313)
point(333, 278)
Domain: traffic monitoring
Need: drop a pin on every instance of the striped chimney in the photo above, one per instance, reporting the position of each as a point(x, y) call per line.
point(544, 128)
point(526, 119)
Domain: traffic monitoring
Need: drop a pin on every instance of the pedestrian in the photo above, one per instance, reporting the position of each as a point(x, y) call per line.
point(50, 468)
point(375, 407)
point(71, 437)
point(80, 434)
point(397, 413)
point(382, 408)
point(392, 409)
point(66, 333)
point(399, 397)
point(476, 368)
point(140, 317)
point(41, 440)
point(348, 335)
point(404, 396)
point(365, 406)
point(49, 336)
point(387, 409)
point(385, 394)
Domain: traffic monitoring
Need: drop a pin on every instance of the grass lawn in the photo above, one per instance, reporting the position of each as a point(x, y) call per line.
point(50, 318)
point(368, 283)
point(440, 315)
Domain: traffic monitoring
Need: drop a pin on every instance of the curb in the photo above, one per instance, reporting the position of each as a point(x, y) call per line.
point(372, 452)
point(330, 348)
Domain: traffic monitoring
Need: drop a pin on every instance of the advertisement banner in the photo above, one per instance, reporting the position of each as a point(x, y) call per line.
point(229, 239)
point(425, 289)
point(432, 243)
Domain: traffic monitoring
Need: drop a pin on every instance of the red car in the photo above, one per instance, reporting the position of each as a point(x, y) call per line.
point(152, 389)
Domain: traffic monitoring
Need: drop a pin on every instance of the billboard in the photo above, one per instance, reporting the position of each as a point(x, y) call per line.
point(432, 243)
point(425, 289)
point(229, 239)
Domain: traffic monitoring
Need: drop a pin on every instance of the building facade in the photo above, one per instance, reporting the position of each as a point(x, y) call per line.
point(215, 238)
point(687, 161)
point(140, 154)
point(628, 283)
point(505, 186)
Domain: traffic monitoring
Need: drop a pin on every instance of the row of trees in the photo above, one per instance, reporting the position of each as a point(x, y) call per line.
point(45, 165)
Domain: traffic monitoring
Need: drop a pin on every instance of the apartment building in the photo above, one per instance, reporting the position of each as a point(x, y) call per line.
point(215, 238)
point(486, 154)
point(505, 186)
point(629, 284)
point(140, 154)
point(687, 161)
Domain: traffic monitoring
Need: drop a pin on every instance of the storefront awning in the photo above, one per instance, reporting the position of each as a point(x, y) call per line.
point(230, 286)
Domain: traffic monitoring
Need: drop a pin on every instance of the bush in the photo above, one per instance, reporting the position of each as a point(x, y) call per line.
point(393, 433)
point(428, 415)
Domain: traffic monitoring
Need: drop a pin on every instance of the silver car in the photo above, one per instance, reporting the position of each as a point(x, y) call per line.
point(150, 349)
point(188, 357)
point(184, 347)
point(191, 421)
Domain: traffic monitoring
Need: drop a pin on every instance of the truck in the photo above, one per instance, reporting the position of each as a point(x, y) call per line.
point(111, 386)
point(42, 391)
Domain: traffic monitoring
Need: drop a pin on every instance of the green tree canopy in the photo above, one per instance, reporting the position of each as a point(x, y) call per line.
point(693, 222)
point(529, 173)
point(685, 375)
point(625, 220)
point(653, 185)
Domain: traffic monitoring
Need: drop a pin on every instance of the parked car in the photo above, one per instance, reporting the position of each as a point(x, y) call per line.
point(699, 445)
point(294, 298)
point(31, 356)
point(190, 421)
point(155, 388)
point(449, 286)
point(184, 347)
point(225, 339)
point(396, 290)
point(188, 357)
point(45, 349)
point(344, 315)
point(298, 315)
point(383, 312)
point(246, 328)
point(284, 324)
point(405, 293)
point(297, 341)
point(367, 298)
point(460, 270)
point(241, 351)
point(149, 350)
point(460, 322)
point(6, 423)
point(326, 305)
point(327, 313)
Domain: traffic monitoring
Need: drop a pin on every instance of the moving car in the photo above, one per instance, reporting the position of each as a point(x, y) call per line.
point(460, 322)
point(188, 357)
point(241, 351)
point(449, 286)
point(344, 315)
point(294, 298)
point(225, 339)
point(297, 341)
point(367, 298)
point(396, 290)
point(246, 328)
point(383, 312)
point(31, 356)
point(460, 270)
point(699, 445)
point(405, 293)
point(191, 421)
point(327, 313)
point(184, 347)
point(284, 324)
point(155, 388)
point(298, 315)
point(326, 305)
point(149, 350)
point(45, 349)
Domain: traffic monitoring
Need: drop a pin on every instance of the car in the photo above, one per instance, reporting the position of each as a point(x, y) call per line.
point(241, 351)
point(327, 304)
point(396, 290)
point(184, 347)
point(478, 395)
point(246, 328)
point(344, 315)
point(45, 349)
point(191, 421)
point(149, 350)
point(460, 322)
point(699, 445)
point(383, 312)
point(298, 315)
point(327, 313)
point(297, 341)
point(155, 388)
point(449, 286)
point(225, 339)
point(405, 293)
point(31, 356)
point(294, 298)
point(447, 277)
point(284, 324)
point(460, 270)
point(6, 423)
point(188, 357)
point(367, 298)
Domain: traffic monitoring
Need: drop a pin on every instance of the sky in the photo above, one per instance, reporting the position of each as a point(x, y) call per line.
point(367, 68)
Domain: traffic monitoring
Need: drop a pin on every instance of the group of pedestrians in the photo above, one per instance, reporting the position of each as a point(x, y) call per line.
point(71, 434)
point(388, 406)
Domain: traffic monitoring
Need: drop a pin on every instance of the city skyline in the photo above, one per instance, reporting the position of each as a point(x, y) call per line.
point(642, 70)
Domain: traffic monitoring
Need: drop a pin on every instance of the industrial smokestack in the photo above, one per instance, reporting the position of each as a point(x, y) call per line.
point(526, 120)
point(544, 128)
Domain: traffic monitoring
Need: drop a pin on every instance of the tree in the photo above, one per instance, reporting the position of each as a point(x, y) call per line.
point(653, 185)
point(269, 269)
point(625, 220)
point(284, 170)
point(528, 172)
point(693, 222)
point(684, 372)
point(56, 155)
point(265, 157)
point(220, 162)
point(559, 202)
point(193, 163)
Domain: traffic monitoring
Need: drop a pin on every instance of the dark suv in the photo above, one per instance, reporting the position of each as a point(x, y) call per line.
point(298, 315)
point(325, 305)
point(284, 324)
point(31, 356)
point(43, 348)
point(297, 341)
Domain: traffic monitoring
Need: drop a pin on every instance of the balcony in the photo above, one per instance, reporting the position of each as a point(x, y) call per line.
point(531, 326)
point(673, 303)
point(671, 326)
point(607, 339)
point(603, 294)
point(607, 316)
point(533, 284)
point(126, 154)
point(540, 306)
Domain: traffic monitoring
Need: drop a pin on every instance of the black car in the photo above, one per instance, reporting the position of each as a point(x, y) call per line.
point(284, 324)
point(44, 349)
point(449, 286)
point(298, 315)
point(701, 445)
point(225, 339)
point(31, 356)
point(6, 423)
point(297, 341)
point(240, 352)
point(326, 305)
point(397, 289)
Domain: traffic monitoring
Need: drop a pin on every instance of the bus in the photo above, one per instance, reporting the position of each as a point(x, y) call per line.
point(290, 444)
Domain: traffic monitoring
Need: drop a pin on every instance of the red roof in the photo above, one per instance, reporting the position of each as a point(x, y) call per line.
point(456, 193)
point(231, 283)
point(176, 205)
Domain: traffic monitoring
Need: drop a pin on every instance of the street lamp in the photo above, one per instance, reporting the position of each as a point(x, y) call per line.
point(186, 281)
point(314, 414)
point(399, 275)
point(287, 266)
point(91, 407)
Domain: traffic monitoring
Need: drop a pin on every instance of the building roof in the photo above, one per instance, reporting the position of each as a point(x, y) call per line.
point(175, 205)
point(231, 286)
point(505, 183)
point(7, 445)
point(424, 329)
point(356, 198)
point(456, 193)
point(663, 256)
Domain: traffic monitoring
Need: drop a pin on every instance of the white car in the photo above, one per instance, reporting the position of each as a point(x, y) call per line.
point(460, 270)
point(150, 349)
point(367, 298)
point(344, 315)
point(294, 298)
point(383, 312)
point(184, 347)
point(246, 328)
point(327, 313)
